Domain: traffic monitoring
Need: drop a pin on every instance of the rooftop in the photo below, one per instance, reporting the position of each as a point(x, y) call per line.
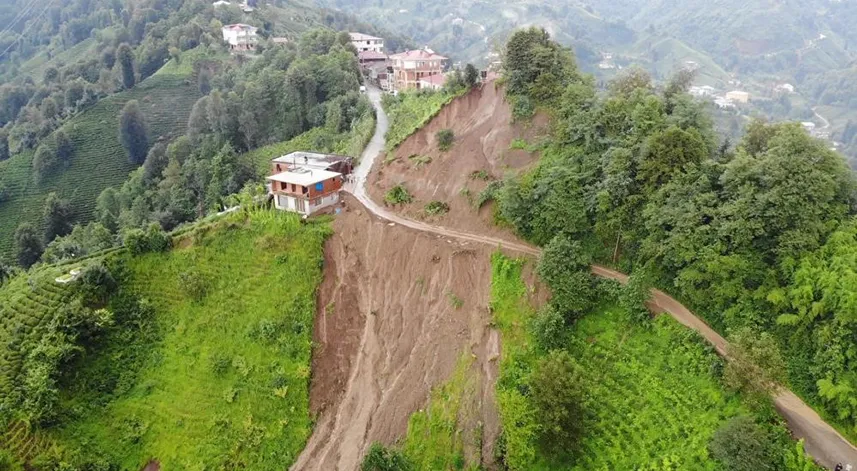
point(240, 27)
point(362, 37)
point(418, 54)
point(436, 79)
point(371, 55)
point(310, 159)
point(304, 176)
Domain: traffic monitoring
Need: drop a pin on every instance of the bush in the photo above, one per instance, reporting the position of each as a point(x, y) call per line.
point(380, 458)
point(556, 391)
point(742, 445)
point(434, 208)
point(444, 138)
point(154, 239)
point(194, 284)
point(548, 328)
point(96, 284)
point(398, 195)
point(633, 298)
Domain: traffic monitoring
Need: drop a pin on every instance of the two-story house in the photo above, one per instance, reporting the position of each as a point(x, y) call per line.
point(411, 67)
point(365, 42)
point(306, 182)
point(240, 37)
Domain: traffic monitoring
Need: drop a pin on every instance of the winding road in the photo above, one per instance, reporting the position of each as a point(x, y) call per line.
point(821, 440)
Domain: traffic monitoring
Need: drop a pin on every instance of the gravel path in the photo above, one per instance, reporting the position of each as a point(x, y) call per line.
point(822, 441)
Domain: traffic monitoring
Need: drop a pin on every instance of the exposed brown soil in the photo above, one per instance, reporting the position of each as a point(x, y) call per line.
point(482, 123)
point(388, 332)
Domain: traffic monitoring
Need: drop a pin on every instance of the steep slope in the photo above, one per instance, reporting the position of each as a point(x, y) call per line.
point(98, 161)
point(397, 310)
point(484, 135)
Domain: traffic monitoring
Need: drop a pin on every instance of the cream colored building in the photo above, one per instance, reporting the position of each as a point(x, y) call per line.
point(738, 96)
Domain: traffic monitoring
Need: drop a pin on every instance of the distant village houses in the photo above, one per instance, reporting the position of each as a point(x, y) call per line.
point(702, 91)
point(240, 37)
point(364, 42)
point(411, 67)
point(737, 96)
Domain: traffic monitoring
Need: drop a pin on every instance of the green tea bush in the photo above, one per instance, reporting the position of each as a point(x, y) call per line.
point(444, 139)
point(398, 195)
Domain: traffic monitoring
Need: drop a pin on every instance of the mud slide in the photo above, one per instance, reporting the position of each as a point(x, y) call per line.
point(482, 123)
point(398, 309)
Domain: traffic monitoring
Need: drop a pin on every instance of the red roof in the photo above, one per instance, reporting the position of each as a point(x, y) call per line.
point(240, 26)
point(436, 79)
point(418, 54)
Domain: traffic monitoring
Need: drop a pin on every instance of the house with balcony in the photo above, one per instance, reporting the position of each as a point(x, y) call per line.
point(307, 182)
point(364, 42)
point(411, 67)
point(240, 37)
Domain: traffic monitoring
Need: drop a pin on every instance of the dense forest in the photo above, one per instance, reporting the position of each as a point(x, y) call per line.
point(149, 52)
point(759, 239)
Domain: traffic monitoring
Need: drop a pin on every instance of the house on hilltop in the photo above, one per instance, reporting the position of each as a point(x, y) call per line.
point(307, 182)
point(410, 67)
point(738, 96)
point(240, 37)
point(365, 42)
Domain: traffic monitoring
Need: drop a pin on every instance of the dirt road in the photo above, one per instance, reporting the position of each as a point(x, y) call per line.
point(822, 441)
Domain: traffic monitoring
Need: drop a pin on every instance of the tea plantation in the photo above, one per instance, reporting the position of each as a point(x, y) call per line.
point(219, 378)
point(651, 398)
point(98, 160)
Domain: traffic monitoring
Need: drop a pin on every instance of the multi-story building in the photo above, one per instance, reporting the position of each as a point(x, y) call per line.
point(306, 182)
point(240, 37)
point(411, 67)
point(738, 96)
point(364, 42)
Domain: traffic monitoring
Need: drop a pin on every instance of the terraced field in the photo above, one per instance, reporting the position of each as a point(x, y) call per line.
point(226, 386)
point(99, 160)
point(24, 303)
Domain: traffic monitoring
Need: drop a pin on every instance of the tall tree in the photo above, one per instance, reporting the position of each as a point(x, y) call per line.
point(126, 61)
point(4, 145)
point(471, 75)
point(28, 244)
point(132, 132)
point(57, 217)
point(64, 146)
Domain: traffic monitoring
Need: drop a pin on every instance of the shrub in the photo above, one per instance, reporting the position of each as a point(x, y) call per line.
point(444, 138)
point(96, 284)
point(564, 266)
point(193, 284)
point(633, 297)
point(380, 458)
point(434, 208)
point(741, 444)
point(556, 391)
point(419, 160)
point(398, 195)
point(154, 239)
point(489, 193)
point(548, 328)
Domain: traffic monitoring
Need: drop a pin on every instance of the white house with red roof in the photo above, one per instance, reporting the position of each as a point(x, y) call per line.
point(411, 67)
point(432, 82)
point(240, 37)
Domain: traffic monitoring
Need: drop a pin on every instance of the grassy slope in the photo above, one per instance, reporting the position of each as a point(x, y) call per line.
point(411, 111)
point(99, 160)
point(261, 278)
point(652, 401)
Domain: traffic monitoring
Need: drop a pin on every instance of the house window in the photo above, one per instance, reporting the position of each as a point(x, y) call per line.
point(294, 188)
point(319, 186)
point(283, 186)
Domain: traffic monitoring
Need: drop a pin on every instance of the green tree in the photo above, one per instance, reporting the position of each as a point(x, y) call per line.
point(471, 75)
point(6, 272)
point(126, 61)
point(444, 139)
point(564, 266)
point(44, 163)
point(742, 445)
point(536, 66)
point(381, 458)
point(28, 244)
point(4, 145)
point(56, 215)
point(65, 148)
point(669, 152)
point(556, 387)
point(133, 133)
point(756, 366)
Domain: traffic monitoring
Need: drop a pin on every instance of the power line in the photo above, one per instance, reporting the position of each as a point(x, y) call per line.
point(27, 28)
point(23, 12)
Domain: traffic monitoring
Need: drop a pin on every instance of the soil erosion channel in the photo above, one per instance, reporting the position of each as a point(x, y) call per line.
point(388, 332)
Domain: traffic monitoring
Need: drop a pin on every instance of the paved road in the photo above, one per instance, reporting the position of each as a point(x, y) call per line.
point(822, 442)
